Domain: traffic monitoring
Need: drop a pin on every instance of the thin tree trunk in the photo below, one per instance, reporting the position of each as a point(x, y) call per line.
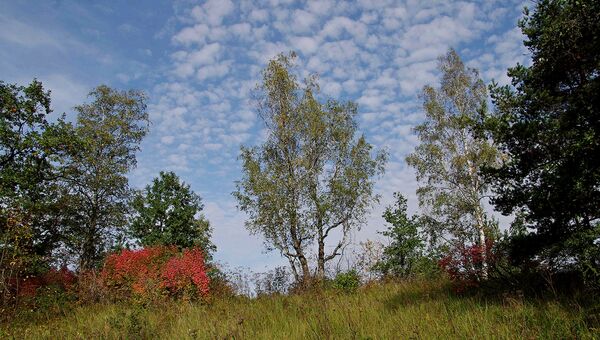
point(305, 269)
point(480, 223)
point(297, 244)
point(482, 244)
point(300, 255)
point(321, 260)
point(88, 247)
point(321, 255)
point(293, 266)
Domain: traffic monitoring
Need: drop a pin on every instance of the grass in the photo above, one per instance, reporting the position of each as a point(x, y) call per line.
point(409, 310)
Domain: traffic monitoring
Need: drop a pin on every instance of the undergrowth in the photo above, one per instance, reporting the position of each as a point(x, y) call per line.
point(405, 310)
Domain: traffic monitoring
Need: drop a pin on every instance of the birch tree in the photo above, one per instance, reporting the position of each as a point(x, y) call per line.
point(312, 178)
point(447, 161)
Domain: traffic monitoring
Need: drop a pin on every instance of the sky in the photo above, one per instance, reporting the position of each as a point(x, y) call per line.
point(199, 60)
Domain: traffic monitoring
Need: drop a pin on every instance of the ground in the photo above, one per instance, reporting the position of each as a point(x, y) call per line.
point(406, 310)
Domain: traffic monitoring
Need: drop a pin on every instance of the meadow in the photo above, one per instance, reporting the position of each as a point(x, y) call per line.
point(395, 310)
point(343, 122)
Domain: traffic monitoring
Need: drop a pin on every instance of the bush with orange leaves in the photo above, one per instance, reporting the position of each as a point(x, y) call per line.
point(155, 272)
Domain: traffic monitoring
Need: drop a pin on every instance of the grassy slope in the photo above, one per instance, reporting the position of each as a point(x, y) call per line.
point(407, 310)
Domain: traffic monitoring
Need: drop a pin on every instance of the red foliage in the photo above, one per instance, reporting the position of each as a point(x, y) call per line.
point(149, 273)
point(464, 264)
point(135, 269)
point(186, 271)
point(62, 278)
point(157, 270)
point(28, 286)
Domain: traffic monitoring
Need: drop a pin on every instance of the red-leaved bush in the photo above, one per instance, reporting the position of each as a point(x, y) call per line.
point(157, 271)
point(62, 278)
point(181, 273)
point(464, 264)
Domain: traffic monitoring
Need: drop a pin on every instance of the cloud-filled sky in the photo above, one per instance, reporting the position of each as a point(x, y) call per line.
point(199, 60)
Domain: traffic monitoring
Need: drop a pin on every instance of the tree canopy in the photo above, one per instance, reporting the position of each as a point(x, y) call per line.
point(29, 146)
point(313, 176)
point(548, 124)
point(168, 213)
point(106, 137)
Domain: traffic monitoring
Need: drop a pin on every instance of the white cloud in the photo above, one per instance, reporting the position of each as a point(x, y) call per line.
point(371, 99)
point(195, 34)
point(212, 11)
point(259, 15)
point(302, 21)
point(213, 71)
point(332, 89)
point(241, 30)
point(241, 126)
point(212, 146)
point(306, 45)
point(16, 32)
point(335, 27)
point(167, 139)
point(128, 28)
point(66, 92)
point(188, 62)
point(320, 7)
point(204, 56)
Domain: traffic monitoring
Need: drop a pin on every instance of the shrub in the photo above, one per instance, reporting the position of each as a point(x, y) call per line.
point(185, 275)
point(219, 284)
point(48, 291)
point(61, 279)
point(20, 267)
point(135, 272)
point(427, 267)
point(347, 282)
point(464, 264)
point(157, 271)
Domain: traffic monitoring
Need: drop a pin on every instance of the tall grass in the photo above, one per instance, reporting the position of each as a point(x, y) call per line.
point(417, 310)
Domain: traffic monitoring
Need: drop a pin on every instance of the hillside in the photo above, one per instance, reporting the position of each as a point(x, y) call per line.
point(416, 310)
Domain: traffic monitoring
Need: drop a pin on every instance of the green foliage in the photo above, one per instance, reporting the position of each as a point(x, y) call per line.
point(347, 282)
point(53, 299)
point(105, 139)
point(24, 111)
point(548, 124)
point(407, 245)
point(168, 213)
point(29, 208)
point(312, 176)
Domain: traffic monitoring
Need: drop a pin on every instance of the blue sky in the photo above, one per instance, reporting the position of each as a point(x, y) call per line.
point(198, 60)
